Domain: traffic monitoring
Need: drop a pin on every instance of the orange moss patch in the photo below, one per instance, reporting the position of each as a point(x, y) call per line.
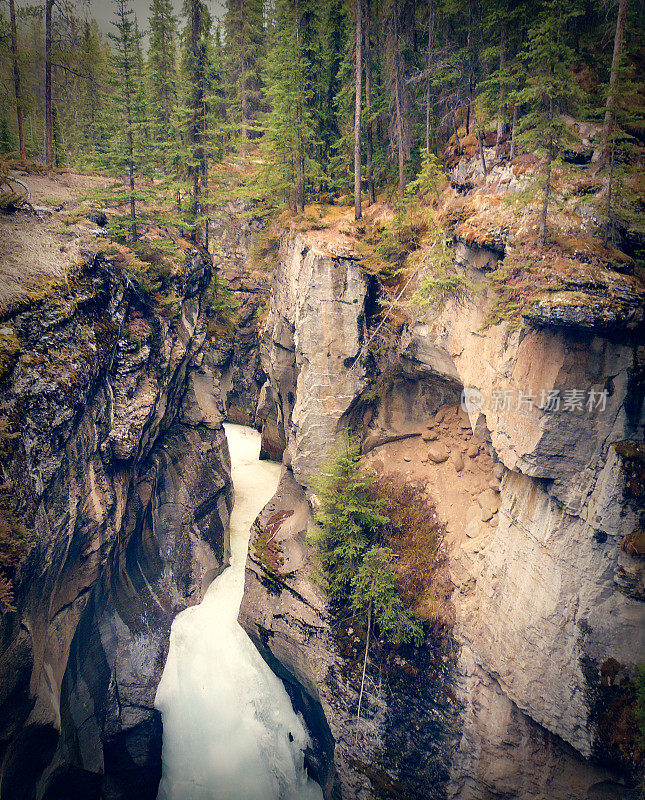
point(591, 250)
point(415, 535)
point(269, 552)
point(634, 544)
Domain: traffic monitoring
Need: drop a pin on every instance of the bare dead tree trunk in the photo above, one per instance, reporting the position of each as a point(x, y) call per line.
point(502, 104)
point(610, 185)
point(358, 213)
point(513, 129)
point(429, 67)
point(480, 141)
point(368, 108)
point(398, 101)
point(613, 79)
point(367, 646)
point(547, 184)
point(16, 81)
point(49, 150)
point(457, 140)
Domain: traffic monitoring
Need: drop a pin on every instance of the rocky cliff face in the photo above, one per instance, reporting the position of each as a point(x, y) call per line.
point(311, 344)
point(118, 462)
point(540, 488)
point(236, 356)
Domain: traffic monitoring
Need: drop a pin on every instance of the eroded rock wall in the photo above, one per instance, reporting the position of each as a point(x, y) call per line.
point(545, 592)
point(236, 355)
point(312, 345)
point(121, 468)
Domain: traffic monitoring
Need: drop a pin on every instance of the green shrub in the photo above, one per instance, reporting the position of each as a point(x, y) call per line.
point(385, 249)
point(438, 279)
point(355, 563)
point(430, 177)
point(15, 541)
point(414, 535)
point(222, 307)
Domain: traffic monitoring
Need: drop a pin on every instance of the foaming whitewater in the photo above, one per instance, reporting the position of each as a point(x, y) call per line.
point(229, 730)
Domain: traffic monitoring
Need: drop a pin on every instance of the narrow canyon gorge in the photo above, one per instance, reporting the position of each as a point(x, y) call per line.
point(116, 444)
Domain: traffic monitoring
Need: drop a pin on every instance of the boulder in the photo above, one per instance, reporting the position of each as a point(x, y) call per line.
point(438, 453)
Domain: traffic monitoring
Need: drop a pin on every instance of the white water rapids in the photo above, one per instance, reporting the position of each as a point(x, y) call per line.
point(229, 730)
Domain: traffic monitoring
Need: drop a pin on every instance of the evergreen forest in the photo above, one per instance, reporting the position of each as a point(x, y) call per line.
point(317, 100)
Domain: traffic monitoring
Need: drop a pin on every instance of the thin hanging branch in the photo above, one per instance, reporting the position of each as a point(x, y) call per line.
point(367, 645)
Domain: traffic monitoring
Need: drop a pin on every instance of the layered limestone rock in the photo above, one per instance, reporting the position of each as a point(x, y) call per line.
point(236, 355)
point(120, 466)
point(548, 590)
point(312, 347)
point(401, 746)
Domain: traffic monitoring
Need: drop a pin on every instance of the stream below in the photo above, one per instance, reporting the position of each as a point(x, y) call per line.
point(229, 729)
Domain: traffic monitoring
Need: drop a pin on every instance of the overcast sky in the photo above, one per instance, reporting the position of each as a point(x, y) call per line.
point(103, 10)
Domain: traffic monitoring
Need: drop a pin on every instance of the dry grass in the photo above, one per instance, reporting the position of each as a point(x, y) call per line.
point(30, 256)
point(32, 250)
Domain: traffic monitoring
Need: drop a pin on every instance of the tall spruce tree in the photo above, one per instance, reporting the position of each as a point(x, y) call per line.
point(49, 144)
point(162, 78)
point(619, 35)
point(505, 28)
point(290, 140)
point(16, 80)
point(333, 34)
point(124, 151)
point(91, 93)
point(358, 109)
point(196, 79)
point(244, 48)
point(549, 89)
point(400, 38)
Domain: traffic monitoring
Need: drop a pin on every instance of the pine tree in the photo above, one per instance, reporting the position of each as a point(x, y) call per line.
point(7, 143)
point(196, 116)
point(124, 150)
point(342, 151)
point(290, 140)
point(619, 35)
point(369, 123)
point(332, 38)
point(162, 76)
point(16, 81)
point(358, 108)
point(90, 103)
point(348, 517)
point(549, 89)
point(400, 29)
point(49, 152)
point(358, 568)
point(244, 29)
point(504, 25)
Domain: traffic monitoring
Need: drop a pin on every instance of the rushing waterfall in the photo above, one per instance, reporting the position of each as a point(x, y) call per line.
point(229, 730)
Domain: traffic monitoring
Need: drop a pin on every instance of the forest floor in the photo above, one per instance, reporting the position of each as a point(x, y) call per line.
point(37, 247)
